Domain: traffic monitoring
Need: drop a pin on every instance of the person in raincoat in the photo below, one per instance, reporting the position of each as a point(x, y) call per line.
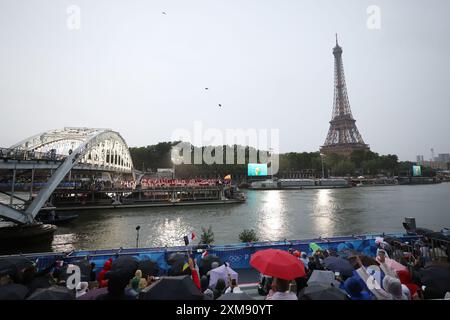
point(372, 284)
point(102, 282)
point(381, 259)
point(394, 287)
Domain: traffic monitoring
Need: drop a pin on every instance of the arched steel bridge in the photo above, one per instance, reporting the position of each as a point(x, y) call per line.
point(63, 150)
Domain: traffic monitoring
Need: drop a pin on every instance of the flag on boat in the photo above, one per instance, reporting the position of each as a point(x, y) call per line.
point(189, 238)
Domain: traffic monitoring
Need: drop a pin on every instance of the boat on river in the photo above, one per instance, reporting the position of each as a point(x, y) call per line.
point(283, 184)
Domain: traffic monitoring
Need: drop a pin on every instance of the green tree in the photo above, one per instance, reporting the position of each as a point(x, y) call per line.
point(207, 236)
point(248, 235)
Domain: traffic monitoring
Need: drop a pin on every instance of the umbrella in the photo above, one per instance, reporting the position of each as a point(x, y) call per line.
point(175, 257)
point(13, 265)
point(319, 291)
point(277, 263)
point(41, 282)
point(205, 263)
point(93, 294)
point(437, 236)
point(323, 277)
point(314, 247)
point(85, 270)
point(179, 268)
point(53, 293)
point(437, 278)
point(125, 266)
point(235, 296)
point(148, 268)
point(222, 272)
point(172, 288)
point(13, 291)
point(339, 265)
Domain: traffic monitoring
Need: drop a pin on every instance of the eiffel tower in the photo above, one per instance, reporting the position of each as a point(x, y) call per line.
point(343, 136)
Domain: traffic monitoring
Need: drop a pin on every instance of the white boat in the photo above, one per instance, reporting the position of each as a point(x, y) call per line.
point(276, 184)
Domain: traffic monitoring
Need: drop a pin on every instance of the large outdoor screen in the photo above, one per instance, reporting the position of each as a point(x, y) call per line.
point(416, 170)
point(257, 169)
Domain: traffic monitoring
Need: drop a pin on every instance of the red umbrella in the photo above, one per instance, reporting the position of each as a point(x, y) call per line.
point(278, 264)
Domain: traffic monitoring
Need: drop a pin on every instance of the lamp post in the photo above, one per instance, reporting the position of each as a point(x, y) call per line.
point(137, 236)
point(323, 172)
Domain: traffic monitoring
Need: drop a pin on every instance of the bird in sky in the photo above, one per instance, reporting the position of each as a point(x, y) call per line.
point(164, 12)
point(206, 88)
point(220, 105)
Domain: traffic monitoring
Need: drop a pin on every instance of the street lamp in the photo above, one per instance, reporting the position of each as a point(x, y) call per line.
point(137, 236)
point(323, 173)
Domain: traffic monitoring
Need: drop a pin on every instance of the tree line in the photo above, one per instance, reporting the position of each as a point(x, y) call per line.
point(360, 162)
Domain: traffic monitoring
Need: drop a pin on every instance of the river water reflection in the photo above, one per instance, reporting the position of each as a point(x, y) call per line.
point(274, 214)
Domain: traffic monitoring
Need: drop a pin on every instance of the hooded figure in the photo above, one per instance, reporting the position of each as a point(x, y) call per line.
point(204, 283)
point(394, 287)
point(220, 288)
point(101, 276)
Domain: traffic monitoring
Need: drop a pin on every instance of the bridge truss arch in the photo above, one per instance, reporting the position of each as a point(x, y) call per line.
point(101, 148)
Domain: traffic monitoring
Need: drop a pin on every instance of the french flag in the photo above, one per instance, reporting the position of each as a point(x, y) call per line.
point(188, 239)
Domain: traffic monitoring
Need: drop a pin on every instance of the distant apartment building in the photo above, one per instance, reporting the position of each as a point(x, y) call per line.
point(419, 159)
point(437, 165)
point(443, 157)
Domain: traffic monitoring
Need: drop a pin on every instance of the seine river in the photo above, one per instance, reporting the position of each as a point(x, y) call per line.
point(274, 215)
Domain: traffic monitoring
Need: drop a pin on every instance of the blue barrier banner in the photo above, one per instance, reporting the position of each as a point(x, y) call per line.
point(237, 255)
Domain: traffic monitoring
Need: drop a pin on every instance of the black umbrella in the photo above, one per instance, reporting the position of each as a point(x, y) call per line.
point(436, 236)
point(337, 264)
point(172, 288)
point(93, 294)
point(148, 268)
point(179, 268)
point(13, 291)
point(85, 270)
point(13, 265)
point(40, 282)
point(175, 257)
point(436, 279)
point(53, 293)
point(235, 296)
point(125, 266)
point(319, 291)
point(205, 263)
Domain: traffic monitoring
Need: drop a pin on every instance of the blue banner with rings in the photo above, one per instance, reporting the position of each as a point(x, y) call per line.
point(237, 255)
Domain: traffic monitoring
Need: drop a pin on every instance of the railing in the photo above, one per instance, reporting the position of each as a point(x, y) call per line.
point(18, 154)
point(440, 249)
point(437, 249)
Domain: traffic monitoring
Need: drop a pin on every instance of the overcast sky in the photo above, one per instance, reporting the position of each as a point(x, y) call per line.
point(269, 63)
